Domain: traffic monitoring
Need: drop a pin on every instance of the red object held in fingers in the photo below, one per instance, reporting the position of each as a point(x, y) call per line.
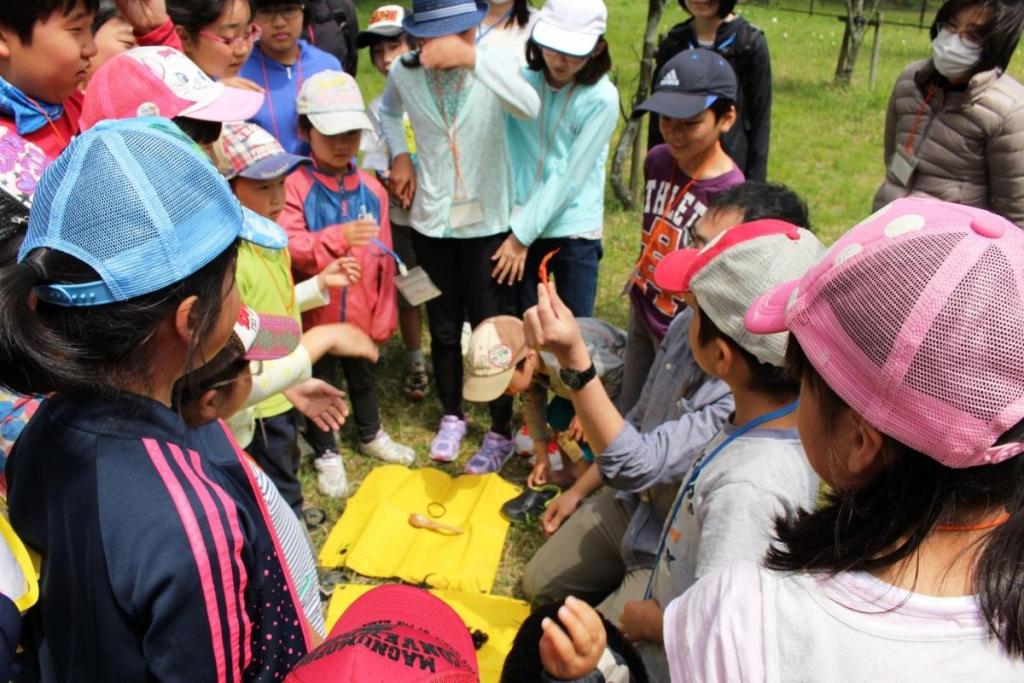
point(542, 272)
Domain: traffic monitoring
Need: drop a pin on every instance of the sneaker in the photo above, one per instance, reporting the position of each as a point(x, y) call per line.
point(385, 448)
point(494, 451)
point(445, 446)
point(530, 504)
point(416, 381)
point(524, 442)
point(331, 479)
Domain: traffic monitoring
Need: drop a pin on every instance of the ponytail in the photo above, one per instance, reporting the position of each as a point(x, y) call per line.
point(98, 349)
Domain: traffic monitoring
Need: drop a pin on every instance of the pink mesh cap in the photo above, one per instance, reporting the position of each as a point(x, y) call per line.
point(914, 318)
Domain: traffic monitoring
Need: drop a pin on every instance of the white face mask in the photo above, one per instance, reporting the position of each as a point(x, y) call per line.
point(952, 58)
point(500, 3)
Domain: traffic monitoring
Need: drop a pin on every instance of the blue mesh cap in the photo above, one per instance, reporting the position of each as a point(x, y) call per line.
point(138, 202)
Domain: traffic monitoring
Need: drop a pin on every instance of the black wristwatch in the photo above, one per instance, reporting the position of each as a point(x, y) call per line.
point(576, 379)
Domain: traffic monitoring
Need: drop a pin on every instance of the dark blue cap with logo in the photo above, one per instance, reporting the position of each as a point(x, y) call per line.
point(689, 83)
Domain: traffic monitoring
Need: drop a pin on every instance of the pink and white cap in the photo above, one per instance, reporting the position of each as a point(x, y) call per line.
point(914, 317)
point(162, 81)
point(266, 337)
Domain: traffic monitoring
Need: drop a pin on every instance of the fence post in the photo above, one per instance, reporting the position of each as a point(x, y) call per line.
point(876, 48)
point(636, 164)
point(810, 9)
point(924, 10)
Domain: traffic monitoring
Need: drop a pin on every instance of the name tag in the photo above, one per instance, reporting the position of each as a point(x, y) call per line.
point(467, 213)
point(902, 166)
point(417, 287)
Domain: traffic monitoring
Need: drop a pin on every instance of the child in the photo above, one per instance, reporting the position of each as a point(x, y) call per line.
point(695, 96)
point(219, 390)
point(913, 561)
point(459, 190)
point(112, 35)
point(217, 35)
point(279, 64)
point(388, 41)
point(334, 209)
point(46, 47)
point(714, 26)
point(559, 159)
point(152, 534)
point(162, 81)
point(499, 362)
point(507, 25)
point(256, 166)
point(754, 468)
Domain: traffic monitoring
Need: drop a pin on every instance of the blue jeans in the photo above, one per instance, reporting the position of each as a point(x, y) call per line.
point(575, 271)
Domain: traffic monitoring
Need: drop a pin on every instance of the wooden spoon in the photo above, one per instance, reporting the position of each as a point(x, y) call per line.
point(423, 522)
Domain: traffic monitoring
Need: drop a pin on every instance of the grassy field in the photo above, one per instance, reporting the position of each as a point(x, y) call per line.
point(826, 144)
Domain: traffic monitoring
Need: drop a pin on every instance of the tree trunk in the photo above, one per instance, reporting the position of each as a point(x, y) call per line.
point(857, 22)
point(655, 8)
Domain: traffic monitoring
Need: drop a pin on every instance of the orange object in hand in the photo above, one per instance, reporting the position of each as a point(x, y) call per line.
point(542, 272)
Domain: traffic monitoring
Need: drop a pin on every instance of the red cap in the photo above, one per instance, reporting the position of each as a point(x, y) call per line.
point(397, 634)
point(162, 81)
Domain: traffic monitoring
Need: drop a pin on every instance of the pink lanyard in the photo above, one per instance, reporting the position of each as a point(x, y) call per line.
point(453, 144)
point(270, 96)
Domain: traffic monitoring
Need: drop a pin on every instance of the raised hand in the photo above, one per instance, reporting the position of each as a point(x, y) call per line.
point(321, 402)
point(575, 651)
point(340, 273)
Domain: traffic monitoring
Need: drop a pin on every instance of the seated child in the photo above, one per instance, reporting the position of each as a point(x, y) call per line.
point(334, 209)
point(280, 62)
point(499, 362)
point(388, 41)
point(754, 469)
point(695, 94)
point(219, 390)
point(47, 53)
point(256, 167)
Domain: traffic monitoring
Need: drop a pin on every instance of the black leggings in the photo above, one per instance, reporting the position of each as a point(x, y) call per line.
point(461, 269)
point(363, 396)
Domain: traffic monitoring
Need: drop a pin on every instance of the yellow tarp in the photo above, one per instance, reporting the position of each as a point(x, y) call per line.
point(374, 538)
point(496, 616)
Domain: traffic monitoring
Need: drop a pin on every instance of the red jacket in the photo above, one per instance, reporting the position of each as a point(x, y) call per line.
point(315, 207)
point(54, 137)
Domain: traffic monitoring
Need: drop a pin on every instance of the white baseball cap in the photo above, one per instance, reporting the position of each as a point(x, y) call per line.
point(333, 103)
point(571, 27)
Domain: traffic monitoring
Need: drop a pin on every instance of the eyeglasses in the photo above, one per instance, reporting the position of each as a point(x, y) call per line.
point(287, 12)
point(250, 36)
point(969, 36)
point(255, 370)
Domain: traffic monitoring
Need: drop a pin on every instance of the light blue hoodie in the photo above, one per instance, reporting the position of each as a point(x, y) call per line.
point(572, 132)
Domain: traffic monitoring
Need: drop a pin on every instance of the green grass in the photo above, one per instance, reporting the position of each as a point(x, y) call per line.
point(826, 144)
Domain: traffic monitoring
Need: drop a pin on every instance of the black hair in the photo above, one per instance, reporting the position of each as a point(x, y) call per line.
point(194, 15)
point(597, 66)
point(305, 126)
point(520, 14)
point(227, 365)
point(725, 7)
point(885, 520)
point(22, 16)
point(722, 106)
point(105, 11)
point(522, 664)
point(765, 378)
point(98, 349)
point(201, 132)
point(999, 34)
point(13, 224)
point(758, 200)
point(373, 39)
point(257, 5)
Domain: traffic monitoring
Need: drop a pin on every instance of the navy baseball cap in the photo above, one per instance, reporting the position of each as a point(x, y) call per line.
point(689, 83)
point(138, 202)
point(435, 18)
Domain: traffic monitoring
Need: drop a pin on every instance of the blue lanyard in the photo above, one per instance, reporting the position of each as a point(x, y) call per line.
point(691, 481)
point(391, 252)
point(482, 34)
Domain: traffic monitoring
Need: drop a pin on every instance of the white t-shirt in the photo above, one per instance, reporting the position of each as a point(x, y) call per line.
point(746, 623)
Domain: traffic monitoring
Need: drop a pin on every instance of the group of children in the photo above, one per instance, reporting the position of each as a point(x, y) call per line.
point(795, 463)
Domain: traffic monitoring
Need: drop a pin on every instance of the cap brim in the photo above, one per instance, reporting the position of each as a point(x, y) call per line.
point(672, 272)
point(336, 122)
point(767, 315)
point(273, 167)
point(486, 389)
point(261, 231)
point(678, 105)
point(435, 28)
point(560, 40)
point(368, 36)
point(233, 104)
point(412, 606)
